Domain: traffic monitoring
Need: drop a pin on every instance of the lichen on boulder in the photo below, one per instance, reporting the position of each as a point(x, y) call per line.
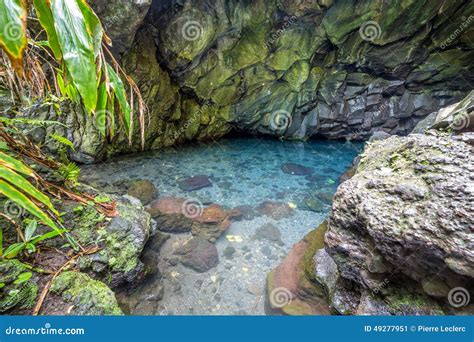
point(13, 294)
point(85, 295)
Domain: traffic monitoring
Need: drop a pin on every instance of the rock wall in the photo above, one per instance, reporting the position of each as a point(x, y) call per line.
point(298, 69)
point(291, 69)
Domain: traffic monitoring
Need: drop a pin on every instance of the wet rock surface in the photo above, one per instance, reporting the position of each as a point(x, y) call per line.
point(168, 212)
point(198, 254)
point(212, 223)
point(298, 70)
point(195, 183)
point(144, 190)
point(296, 169)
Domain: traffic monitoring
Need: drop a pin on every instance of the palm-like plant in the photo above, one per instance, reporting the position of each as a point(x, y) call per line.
point(75, 51)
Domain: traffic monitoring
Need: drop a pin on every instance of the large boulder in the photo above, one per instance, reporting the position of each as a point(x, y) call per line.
point(405, 221)
point(121, 238)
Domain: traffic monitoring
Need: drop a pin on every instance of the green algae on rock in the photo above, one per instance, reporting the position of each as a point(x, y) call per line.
point(13, 294)
point(86, 295)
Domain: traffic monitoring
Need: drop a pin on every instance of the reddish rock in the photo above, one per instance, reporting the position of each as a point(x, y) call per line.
point(291, 286)
point(275, 210)
point(168, 213)
point(213, 221)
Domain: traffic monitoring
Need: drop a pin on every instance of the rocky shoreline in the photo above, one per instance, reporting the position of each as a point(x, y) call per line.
point(399, 239)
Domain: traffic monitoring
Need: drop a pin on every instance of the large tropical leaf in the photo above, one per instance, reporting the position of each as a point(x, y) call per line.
point(13, 30)
point(23, 184)
point(45, 16)
point(78, 49)
point(15, 164)
point(94, 26)
point(22, 200)
point(119, 89)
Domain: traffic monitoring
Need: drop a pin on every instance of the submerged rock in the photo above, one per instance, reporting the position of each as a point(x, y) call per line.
point(144, 190)
point(195, 183)
point(212, 223)
point(198, 254)
point(296, 169)
point(169, 215)
point(268, 232)
point(275, 210)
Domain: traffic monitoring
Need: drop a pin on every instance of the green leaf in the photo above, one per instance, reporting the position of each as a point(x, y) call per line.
point(18, 197)
point(1, 242)
point(2, 285)
point(117, 85)
point(4, 146)
point(22, 278)
point(15, 164)
point(23, 184)
point(102, 199)
point(94, 26)
point(30, 229)
point(48, 235)
point(13, 30)
point(101, 109)
point(62, 140)
point(30, 247)
point(78, 49)
point(70, 171)
point(13, 250)
point(45, 16)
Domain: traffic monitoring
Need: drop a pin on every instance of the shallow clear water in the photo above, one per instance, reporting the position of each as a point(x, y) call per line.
point(243, 171)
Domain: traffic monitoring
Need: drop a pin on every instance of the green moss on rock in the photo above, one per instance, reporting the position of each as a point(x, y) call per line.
point(88, 296)
point(15, 296)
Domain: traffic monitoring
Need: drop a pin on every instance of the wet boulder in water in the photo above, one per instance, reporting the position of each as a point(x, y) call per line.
point(212, 222)
point(144, 190)
point(268, 232)
point(169, 214)
point(198, 254)
point(296, 169)
point(195, 183)
point(275, 210)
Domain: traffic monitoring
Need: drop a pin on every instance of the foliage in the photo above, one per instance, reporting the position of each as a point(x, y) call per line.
point(30, 241)
point(15, 186)
point(75, 43)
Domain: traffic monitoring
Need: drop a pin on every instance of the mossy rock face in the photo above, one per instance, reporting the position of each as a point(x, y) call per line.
point(381, 214)
point(251, 59)
point(121, 240)
point(86, 295)
point(14, 295)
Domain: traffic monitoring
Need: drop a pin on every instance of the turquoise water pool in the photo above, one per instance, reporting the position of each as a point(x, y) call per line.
point(236, 172)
